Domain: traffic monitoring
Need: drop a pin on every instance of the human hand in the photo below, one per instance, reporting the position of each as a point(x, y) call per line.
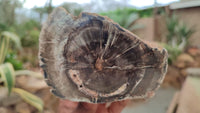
point(66, 106)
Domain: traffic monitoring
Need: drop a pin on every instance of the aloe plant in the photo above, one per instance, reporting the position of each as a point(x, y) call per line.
point(8, 74)
point(177, 37)
point(178, 33)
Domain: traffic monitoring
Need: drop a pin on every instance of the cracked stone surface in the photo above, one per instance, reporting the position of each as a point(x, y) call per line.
point(90, 58)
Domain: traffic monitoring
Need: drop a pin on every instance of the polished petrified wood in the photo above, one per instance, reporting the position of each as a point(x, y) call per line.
point(90, 58)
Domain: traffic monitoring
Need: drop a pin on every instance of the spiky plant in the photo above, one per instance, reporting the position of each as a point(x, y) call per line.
point(8, 74)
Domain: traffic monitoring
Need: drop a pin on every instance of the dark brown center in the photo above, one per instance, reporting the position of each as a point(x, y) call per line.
point(99, 64)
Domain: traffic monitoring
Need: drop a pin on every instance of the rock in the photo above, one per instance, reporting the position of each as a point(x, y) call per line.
point(197, 60)
point(6, 100)
point(185, 57)
point(193, 51)
point(184, 60)
point(183, 72)
point(90, 58)
point(22, 108)
point(173, 77)
point(11, 100)
point(6, 110)
point(193, 71)
point(30, 83)
point(3, 110)
point(174, 102)
point(189, 99)
point(180, 64)
point(50, 101)
point(3, 94)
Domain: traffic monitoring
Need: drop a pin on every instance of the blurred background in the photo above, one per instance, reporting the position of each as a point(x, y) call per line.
point(173, 24)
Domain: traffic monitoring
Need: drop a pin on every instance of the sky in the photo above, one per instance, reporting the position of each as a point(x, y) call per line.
point(138, 3)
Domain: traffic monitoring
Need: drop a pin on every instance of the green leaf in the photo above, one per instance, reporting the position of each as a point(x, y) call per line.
point(4, 44)
point(13, 37)
point(30, 98)
point(11, 57)
point(8, 75)
point(5, 38)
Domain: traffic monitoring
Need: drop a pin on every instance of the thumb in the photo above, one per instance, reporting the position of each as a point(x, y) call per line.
point(66, 106)
point(117, 107)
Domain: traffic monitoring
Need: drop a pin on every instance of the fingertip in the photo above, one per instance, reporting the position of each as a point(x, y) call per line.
point(68, 103)
point(117, 107)
point(89, 106)
point(102, 108)
point(67, 106)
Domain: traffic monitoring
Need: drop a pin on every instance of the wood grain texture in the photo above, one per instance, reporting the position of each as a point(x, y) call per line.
point(90, 58)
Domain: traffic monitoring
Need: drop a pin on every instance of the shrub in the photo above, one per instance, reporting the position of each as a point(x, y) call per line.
point(125, 17)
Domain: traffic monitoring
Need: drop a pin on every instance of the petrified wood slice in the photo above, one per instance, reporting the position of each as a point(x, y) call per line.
point(90, 58)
